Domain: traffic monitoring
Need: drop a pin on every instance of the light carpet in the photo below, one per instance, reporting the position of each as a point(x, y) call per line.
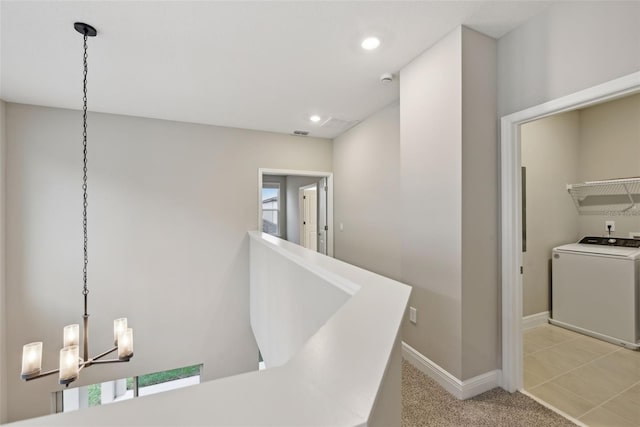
point(425, 403)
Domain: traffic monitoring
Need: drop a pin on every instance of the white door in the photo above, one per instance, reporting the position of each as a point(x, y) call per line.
point(309, 235)
point(323, 225)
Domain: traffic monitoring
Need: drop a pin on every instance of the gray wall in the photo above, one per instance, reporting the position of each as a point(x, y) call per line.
point(3, 319)
point(168, 245)
point(294, 183)
point(366, 162)
point(550, 152)
point(569, 47)
point(610, 148)
point(448, 155)
point(431, 181)
point(439, 232)
point(480, 295)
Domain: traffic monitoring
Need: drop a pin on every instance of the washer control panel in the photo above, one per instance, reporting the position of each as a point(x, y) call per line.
point(611, 241)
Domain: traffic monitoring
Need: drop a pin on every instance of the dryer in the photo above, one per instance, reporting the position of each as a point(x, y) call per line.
point(596, 289)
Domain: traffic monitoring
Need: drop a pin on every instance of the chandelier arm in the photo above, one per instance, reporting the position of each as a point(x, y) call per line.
point(40, 375)
point(81, 364)
point(103, 354)
point(104, 362)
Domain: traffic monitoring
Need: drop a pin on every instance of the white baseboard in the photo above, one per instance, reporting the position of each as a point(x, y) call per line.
point(534, 320)
point(460, 389)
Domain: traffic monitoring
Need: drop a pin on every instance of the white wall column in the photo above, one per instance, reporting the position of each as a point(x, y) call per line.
point(71, 400)
point(75, 398)
point(111, 390)
point(448, 155)
point(107, 392)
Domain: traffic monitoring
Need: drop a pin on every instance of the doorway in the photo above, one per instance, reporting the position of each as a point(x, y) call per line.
point(511, 213)
point(578, 311)
point(315, 231)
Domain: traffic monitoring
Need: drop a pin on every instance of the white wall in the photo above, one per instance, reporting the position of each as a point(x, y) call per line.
point(347, 373)
point(280, 326)
point(366, 163)
point(569, 47)
point(167, 239)
point(3, 320)
point(294, 183)
point(550, 152)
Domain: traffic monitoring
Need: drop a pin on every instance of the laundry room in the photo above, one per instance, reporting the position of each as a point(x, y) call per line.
point(581, 178)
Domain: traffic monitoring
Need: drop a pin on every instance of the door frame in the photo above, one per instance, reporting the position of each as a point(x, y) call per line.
point(319, 174)
point(301, 209)
point(511, 211)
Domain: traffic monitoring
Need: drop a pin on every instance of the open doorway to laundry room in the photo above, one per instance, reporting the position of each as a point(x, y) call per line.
point(570, 168)
point(297, 206)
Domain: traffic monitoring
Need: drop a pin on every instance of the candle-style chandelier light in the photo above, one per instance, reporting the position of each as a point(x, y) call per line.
point(70, 361)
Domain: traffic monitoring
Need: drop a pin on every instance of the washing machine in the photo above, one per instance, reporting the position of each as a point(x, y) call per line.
point(595, 289)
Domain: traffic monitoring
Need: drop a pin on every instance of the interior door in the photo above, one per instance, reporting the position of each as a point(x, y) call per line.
point(322, 216)
point(309, 217)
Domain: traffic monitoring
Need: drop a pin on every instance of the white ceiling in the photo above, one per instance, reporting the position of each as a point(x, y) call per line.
point(263, 65)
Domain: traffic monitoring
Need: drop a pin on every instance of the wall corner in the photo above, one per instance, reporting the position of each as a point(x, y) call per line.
point(431, 184)
point(3, 181)
point(480, 249)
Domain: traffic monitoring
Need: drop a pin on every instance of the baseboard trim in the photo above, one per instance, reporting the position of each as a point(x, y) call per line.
point(534, 320)
point(460, 389)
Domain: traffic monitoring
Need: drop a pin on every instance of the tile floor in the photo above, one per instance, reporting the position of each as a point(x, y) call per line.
point(594, 381)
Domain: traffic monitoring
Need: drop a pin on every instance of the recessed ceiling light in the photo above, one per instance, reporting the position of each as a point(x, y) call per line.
point(315, 118)
point(370, 43)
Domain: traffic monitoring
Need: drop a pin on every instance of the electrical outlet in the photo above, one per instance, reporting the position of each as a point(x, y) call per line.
point(413, 315)
point(610, 223)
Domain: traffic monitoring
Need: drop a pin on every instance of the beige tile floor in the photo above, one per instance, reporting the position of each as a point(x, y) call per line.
point(591, 380)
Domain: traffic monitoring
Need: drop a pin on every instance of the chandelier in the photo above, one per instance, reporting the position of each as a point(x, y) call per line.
point(70, 361)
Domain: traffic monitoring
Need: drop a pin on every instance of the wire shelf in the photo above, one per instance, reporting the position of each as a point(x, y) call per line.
point(611, 197)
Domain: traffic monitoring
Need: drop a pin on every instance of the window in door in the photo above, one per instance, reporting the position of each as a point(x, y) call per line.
point(271, 205)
